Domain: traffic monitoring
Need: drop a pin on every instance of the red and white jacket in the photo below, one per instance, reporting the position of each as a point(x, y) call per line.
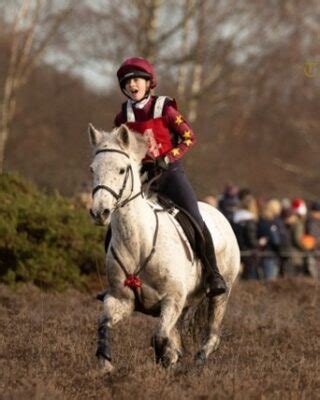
point(168, 133)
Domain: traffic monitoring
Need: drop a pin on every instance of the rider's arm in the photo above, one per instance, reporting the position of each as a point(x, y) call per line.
point(183, 131)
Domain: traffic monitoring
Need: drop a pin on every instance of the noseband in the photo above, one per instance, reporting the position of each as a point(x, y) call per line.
point(118, 196)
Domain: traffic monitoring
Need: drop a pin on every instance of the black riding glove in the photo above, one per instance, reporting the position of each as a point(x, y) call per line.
point(162, 163)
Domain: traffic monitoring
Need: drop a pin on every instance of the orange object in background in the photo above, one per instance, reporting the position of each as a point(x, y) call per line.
point(308, 242)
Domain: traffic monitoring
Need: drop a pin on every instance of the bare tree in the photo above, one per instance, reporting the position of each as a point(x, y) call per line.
point(185, 44)
point(147, 27)
point(198, 61)
point(27, 48)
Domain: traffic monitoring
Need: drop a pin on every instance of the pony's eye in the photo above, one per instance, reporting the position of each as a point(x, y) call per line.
point(122, 170)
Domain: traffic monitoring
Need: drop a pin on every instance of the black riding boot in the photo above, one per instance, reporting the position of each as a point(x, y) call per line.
point(215, 283)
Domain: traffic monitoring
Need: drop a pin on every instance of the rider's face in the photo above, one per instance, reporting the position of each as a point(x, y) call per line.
point(137, 88)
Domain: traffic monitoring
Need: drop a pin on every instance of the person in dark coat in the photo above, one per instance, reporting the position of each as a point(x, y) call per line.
point(229, 202)
point(245, 228)
point(269, 239)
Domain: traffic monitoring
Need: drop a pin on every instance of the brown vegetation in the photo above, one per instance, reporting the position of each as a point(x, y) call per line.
point(270, 348)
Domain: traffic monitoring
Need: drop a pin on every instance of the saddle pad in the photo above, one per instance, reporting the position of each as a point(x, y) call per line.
point(153, 203)
point(214, 220)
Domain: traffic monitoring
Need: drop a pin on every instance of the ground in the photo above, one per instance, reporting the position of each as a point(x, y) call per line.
point(270, 348)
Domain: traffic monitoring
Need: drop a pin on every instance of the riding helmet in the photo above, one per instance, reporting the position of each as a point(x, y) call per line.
point(136, 67)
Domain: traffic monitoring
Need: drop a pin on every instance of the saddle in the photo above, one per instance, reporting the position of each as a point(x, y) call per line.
point(188, 224)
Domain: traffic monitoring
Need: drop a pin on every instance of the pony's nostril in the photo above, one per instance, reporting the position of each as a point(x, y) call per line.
point(106, 212)
point(92, 213)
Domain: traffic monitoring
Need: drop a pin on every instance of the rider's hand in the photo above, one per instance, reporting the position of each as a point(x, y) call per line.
point(162, 163)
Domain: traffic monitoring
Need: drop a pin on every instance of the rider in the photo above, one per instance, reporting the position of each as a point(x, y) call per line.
point(169, 137)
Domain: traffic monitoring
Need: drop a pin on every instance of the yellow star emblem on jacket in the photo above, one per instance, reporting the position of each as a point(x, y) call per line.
point(187, 134)
point(187, 142)
point(175, 152)
point(179, 120)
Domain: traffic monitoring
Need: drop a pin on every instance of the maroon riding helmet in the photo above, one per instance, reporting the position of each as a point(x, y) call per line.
point(136, 67)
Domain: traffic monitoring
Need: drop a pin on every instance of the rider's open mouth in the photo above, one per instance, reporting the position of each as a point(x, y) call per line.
point(134, 91)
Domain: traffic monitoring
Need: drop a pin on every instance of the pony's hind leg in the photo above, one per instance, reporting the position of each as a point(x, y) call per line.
point(217, 308)
point(167, 341)
point(114, 311)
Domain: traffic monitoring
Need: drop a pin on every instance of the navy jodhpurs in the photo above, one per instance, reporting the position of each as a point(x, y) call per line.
point(175, 185)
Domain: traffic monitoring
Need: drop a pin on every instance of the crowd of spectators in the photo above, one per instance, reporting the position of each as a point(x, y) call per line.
point(276, 237)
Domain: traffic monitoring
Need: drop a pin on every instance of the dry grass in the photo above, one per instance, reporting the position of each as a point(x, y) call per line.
point(270, 349)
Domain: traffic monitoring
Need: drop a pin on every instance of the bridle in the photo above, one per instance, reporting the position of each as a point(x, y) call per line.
point(132, 280)
point(118, 196)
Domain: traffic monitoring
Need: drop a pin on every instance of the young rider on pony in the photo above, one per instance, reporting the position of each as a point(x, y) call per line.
point(169, 137)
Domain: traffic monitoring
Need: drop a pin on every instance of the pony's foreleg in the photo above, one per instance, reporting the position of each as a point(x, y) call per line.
point(217, 308)
point(114, 311)
point(176, 341)
point(166, 342)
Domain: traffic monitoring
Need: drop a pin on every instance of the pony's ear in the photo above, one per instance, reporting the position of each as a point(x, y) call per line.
point(95, 136)
point(123, 136)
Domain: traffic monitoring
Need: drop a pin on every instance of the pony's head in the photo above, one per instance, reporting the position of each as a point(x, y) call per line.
point(115, 169)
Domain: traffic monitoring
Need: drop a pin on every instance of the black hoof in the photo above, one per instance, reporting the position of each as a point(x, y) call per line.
point(201, 358)
point(165, 362)
point(100, 296)
point(159, 345)
point(103, 353)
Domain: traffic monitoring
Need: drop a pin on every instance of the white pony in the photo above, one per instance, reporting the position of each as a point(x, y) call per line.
point(149, 264)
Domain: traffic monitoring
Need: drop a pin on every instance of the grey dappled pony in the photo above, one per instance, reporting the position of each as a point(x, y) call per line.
point(150, 267)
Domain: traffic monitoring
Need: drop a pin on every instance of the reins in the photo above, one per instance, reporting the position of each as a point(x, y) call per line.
point(132, 280)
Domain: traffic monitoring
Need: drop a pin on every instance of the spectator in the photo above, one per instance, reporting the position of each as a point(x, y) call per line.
point(243, 193)
point(245, 228)
point(212, 200)
point(294, 219)
point(229, 201)
point(286, 204)
point(269, 240)
point(313, 223)
point(313, 230)
point(284, 239)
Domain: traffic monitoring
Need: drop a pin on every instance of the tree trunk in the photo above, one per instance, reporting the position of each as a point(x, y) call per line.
point(183, 69)
point(4, 133)
point(23, 59)
point(198, 64)
point(148, 28)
